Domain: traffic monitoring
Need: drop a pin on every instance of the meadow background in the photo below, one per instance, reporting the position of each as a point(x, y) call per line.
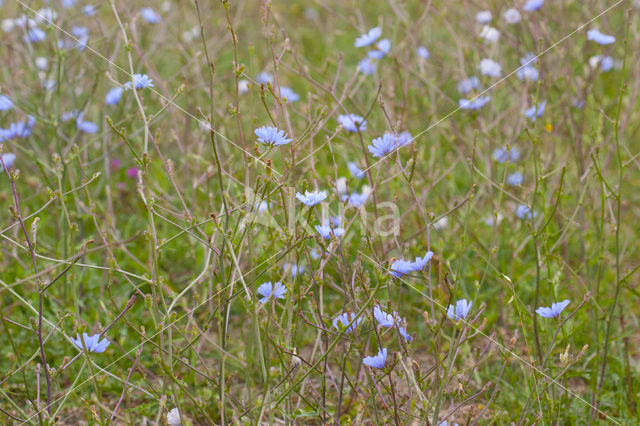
point(154, 221)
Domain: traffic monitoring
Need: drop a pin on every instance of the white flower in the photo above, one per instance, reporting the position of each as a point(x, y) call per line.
point(173, 417)
point(489, 34)
point(490, 68)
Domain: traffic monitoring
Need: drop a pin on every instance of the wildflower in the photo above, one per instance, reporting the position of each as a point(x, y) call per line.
point(524, 212)
point(243, 86)
point(469, 84)
point(383, 145)
point(264, 78)
point(422, 52)
point(173, 417)
point(132, 172)
point(150, 15)
point(605, 63)
point(35, 35)
point(403, 333)
point(288, 95)
point(404, 138)
point(327, 232)
point(356, 199)
point(140, 81)
point(535, 111)
point(7, 159)
point(512, 16)
point(401, 267)
point(268, 289)
point(554, 311)
point(383, 48)
point(475, 103)
point(85, 126)
point(343, 320)
point(441, 223)
point(113, 96)
point(352, 122)
point(89, 10)
point(493, 220)
point(490, 68)
point(355, 170)
point(515, 179)
point(92, 343)
point(271, 136)
point(420, 262)
point(529, 59)
point(532, 5)
point(368, 38)
point(484, 17)
point(311, 198)
point(383, 318)
point(376, 361)
point(42, 63)
point(489, 34)
point(367, 66)
point(600, 38)
point(45, 15)
point(68, 3)
point(503, 155)
point(527, 73)
point(459, 311)
point(82, 36)
point(295, 269)
point(20, 129)
point(5, 103)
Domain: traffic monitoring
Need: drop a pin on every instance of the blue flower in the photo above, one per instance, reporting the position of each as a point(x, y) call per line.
point(356, 199)
point(503, 155)
point(404, 138)
point(288, 94)
point(532, 5)
point(527, 73)
point(474, 104)
point(343, 320)
point(383, 145)
point(270, 289)
point(376, 361)
point(423, 52)
point(82, 36)
point(490, 68)
point(295, 269)
point(92, 343)
point(352, 122)
point(524, 212)
point(401, 267)
point(89, 10)
point(459, 311)
point(383, 318)
point(264, 78)
point(149, 15)
point(368, 38)
point(484, 17)
point(403, 333)
point(68, 3)
point(8, 160)
point(367, 66)
point(311, 198)
point(384, 46)
point(531, 113)
point(420, 262)
point(469, 84)
point(140, 81)
point(35, 35)
point(512, 16)
point(515, 179)
point(271, 136)
point(327, 232)
point(554, 311)
point(606, 63)
point(355, 170)
point(600, 38)
point(85, 126)
point(5, 103)
point(20, 129)
point(113, 96)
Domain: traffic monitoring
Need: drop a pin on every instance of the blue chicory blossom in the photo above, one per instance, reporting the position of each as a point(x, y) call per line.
point(271, 136)
point(524, 212)
point(89, 10)
point(356, 199)
point(383, 318)
point(276, 290)
point(404, 138)
point(376, 361)
point(469, 84)
point(506, 154)
point(288, 94)
point(68, 3)
point(606, 63)
point(8, 159)
point(92, 343)
point(150, 15)
point(600, 38)
point(293, 268)
point(343, 320)
point(532, 5)
point(484, 17)
point(401, 267)
point(140, 81)
point(515, 179)
point(554, 311)
point(113, 96)
point(35, 35)
point(527, 73)
point(264, 77)
point(352, 122)
point(383, 49)
point(383, 145)
point(531, 113)
point(368, 38)
point(459, 311)
point(5, 103)
point(311, 198)
point(20, 129)
point(490, 68)
point(423, 52)
point(85, 126)
point(403, 333)
point(367, 66)
point(82, 37)
point(475, 103)
point(327, 232)
point(355, 170)
point(420, 262)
